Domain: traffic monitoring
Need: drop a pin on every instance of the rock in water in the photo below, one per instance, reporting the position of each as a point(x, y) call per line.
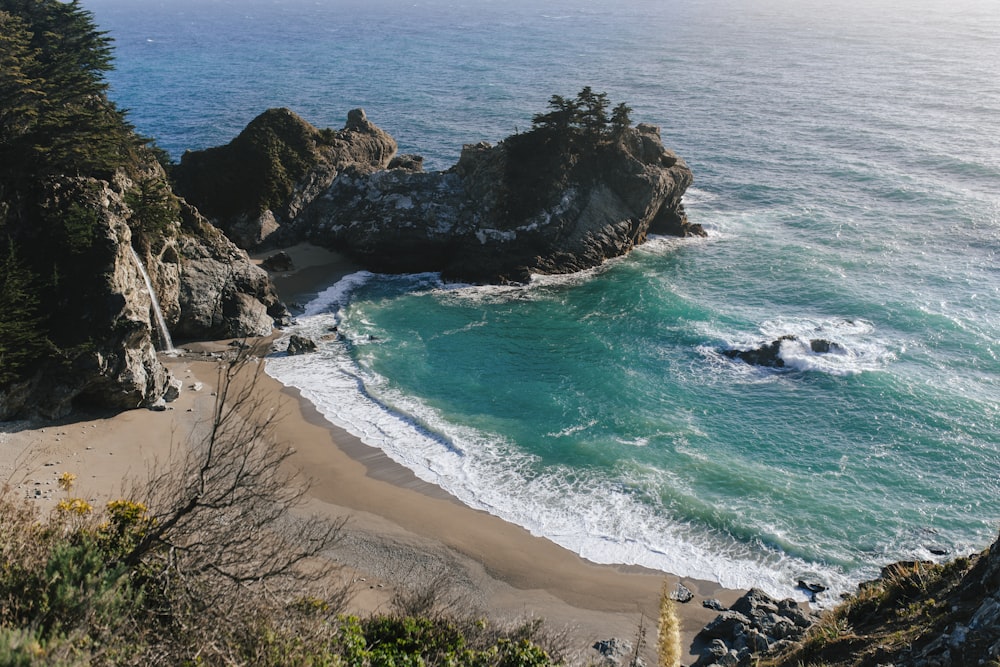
point(768, 354)
point(300, 345)
point(543, 201)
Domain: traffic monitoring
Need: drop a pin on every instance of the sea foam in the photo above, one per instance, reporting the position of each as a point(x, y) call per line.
point(590, 514)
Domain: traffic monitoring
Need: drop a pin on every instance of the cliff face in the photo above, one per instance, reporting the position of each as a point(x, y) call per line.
point(84, 207)
point(100, 349)
point(108, 357)
point(262, 179)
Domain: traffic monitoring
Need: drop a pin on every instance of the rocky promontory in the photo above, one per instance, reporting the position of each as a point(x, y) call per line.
point(577, 189)
point(94, 222)
point(263, 178)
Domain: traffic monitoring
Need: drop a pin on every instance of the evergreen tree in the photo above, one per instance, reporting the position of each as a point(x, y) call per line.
point(57, 117)
point(621, 120)
point(593, 112)
point(21, 337)
point(564, 115)
point(20, 94)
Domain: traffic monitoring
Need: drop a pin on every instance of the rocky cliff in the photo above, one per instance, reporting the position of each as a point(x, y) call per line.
point(279, 163)
point(85, 212)
point(552, 200)
point(100, 330)
point(916, 614)
point(107, 358)
point(469, 222)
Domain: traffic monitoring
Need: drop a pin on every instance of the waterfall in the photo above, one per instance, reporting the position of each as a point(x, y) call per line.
point(161, 324)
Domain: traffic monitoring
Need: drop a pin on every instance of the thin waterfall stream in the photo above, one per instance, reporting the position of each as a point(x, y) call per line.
point(161, 324)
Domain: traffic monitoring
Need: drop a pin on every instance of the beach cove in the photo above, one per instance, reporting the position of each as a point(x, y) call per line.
point(401, 532)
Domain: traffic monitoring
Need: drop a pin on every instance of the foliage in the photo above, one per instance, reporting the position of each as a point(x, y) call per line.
point(567, 143)
point(154, 210)
point(57, 118)
point(668, 638)
point(21, 327)
point(910, 606)
point(583, 118)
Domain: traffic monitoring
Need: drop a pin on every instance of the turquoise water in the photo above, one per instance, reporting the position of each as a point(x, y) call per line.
point(847, 168)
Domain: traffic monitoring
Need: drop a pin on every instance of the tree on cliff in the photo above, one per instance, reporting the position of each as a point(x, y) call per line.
point(582, 121)
point(56, 117)
point(20, 323)
point(564, 144)
point(56, 126)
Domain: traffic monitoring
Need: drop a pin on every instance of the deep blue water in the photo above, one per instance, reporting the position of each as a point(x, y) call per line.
point(847, 168)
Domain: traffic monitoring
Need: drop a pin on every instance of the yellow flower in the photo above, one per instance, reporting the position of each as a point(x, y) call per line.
point(77, 506)
point(66, 481)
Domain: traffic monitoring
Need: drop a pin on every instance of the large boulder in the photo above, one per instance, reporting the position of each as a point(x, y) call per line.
point(221, 292)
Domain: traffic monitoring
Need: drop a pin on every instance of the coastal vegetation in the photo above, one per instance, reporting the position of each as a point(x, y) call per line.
point(915, 613)
point(60, 138)
point(565, 144)
point(213, 561)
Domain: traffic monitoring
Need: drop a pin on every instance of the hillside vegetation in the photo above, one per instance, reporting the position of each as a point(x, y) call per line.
point(213, 561)
point(60, 137)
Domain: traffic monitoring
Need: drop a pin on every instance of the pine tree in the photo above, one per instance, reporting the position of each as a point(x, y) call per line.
point(21, 337)
point(53, 79)
point(20, 94)
point(621, 120)
point(593, 112)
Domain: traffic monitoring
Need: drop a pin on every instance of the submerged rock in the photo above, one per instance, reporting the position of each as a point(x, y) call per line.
point(769, 354)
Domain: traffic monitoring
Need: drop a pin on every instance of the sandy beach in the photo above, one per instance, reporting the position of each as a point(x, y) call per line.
point(400, 531)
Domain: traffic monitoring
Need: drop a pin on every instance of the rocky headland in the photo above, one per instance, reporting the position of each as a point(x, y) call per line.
point(563, 197)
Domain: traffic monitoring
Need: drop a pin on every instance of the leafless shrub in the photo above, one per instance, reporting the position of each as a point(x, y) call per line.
point(431, 597)
point(228, 523)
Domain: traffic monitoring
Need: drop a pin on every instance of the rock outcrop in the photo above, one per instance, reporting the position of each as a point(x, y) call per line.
point(752, 626)
point(263, 178)
point(102, 323)
point(769, 354)
point(470, 222)
point(109, 357)
point(916, 614)
point(221, 293)
point(538, 202)
point(90, 230)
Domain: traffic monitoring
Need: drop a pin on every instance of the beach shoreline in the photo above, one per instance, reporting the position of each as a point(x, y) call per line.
point(401, 532)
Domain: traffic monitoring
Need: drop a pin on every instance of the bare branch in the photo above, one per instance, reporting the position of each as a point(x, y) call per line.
point(230, 513)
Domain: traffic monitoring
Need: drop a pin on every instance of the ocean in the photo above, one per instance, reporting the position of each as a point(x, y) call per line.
point(847, 170)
